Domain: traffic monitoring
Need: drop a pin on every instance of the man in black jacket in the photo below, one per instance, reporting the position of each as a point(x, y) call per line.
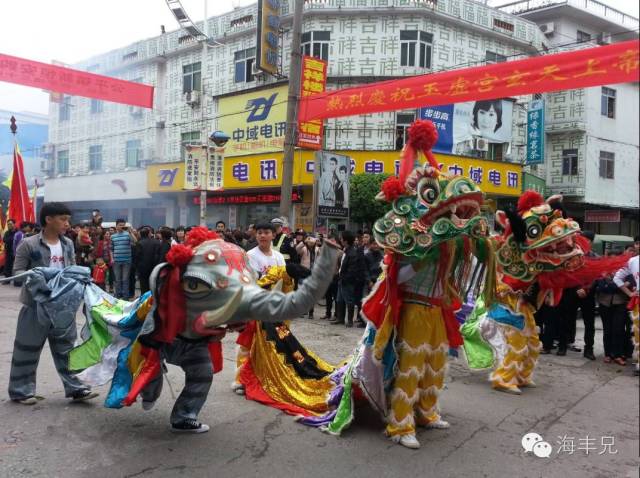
point(146, 257)
point(9, 253)
point(351, 279)
point(282, 242)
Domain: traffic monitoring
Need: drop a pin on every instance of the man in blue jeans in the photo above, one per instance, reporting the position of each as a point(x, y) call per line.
point(121, 243)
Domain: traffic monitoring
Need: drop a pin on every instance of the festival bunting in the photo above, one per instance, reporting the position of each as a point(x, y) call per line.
point(74, 82)
point(617, 63)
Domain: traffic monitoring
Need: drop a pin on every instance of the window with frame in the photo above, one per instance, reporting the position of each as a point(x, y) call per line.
point(244, 60)
point(97, 106)
point(191, 77)
point(569, 162)
point(608, 102)
point(493, 57)
point(607, 163)
point(583, 36)
point(403, 121)
point(64, 109)
point(316, 44)
point(133, 153)
point(62, 162)
point(95, 157)
point(496, 152)
point(416, 48)
point(191, 137)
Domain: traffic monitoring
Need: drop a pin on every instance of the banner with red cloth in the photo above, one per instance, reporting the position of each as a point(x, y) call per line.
point(603, 65)
point(74, 82)
point(20, 206)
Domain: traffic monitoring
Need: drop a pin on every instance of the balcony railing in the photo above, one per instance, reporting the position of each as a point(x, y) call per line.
point(591, 6)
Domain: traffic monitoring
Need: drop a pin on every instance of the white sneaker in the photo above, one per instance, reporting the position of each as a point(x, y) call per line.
point(238, 388)
point(148, 405)
point(438, 424)
point(409, 441)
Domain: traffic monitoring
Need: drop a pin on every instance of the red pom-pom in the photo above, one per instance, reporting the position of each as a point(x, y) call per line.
point(423, 135)
point(529, 199)
point(198, 235)
point(392, 188)
point(179, 255)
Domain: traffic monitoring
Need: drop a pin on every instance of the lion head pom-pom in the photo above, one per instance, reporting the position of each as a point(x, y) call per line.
point(423, 135)
point(392, 188)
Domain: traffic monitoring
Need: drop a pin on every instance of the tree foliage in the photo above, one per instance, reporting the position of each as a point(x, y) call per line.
point(365, 209)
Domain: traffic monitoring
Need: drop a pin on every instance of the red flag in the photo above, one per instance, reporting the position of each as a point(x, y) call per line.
point(20, 207)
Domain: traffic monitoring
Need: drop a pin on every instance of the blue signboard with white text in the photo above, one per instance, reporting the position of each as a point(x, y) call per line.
point(535, 132)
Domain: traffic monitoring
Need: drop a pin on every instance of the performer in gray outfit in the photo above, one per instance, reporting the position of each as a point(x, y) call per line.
point(49, 248)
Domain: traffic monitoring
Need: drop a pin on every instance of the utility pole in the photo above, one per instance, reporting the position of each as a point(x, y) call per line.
point(204, 140)
point(292, 110)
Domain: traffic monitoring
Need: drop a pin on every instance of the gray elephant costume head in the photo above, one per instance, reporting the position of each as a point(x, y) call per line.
point(208, 282)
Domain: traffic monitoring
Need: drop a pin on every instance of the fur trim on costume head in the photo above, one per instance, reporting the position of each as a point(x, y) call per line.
point(516, 224)
point(528, 200)
point(198, 235)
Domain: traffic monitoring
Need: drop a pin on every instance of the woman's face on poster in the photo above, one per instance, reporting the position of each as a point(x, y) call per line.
point(487, 121)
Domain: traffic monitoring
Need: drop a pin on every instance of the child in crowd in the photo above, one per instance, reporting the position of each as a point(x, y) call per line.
point(100, 273)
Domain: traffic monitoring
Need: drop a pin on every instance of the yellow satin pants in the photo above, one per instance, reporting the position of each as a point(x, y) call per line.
point(422, 359)
point(516, 368)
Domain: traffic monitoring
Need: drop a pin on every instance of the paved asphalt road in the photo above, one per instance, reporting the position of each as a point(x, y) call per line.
point(586, 402)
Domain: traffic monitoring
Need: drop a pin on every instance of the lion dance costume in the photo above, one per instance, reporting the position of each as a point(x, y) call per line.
point(430, 236)
point(539, 253)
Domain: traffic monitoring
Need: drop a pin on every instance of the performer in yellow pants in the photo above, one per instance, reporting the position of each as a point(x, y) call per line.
point(422, 361)
point(523, 348)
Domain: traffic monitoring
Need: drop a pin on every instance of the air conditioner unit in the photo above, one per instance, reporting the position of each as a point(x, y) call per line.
point(547, 28)
point(255, 71)
point(480, 144)
point(135, 111)
point(603, 38)
point(192, 98)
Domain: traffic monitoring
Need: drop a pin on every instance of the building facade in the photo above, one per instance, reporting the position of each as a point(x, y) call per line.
point(198, 91)
point(592, 154)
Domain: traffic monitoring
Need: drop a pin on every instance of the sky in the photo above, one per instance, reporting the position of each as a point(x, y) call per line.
point(73, 30)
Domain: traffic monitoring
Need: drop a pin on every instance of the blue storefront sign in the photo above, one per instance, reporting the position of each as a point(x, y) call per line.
point(535, 132)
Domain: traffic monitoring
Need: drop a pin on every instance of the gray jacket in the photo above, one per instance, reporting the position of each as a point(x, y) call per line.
point(34, 252)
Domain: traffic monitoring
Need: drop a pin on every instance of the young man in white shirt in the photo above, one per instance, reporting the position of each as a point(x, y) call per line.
point(264, 256)
point(261, 258)
point(49, 248)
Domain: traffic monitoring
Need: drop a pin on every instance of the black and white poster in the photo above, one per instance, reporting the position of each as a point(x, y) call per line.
point(333, 184)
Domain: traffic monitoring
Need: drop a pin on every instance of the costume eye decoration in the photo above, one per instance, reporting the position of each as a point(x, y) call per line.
point(429, 190)
point(534, 231)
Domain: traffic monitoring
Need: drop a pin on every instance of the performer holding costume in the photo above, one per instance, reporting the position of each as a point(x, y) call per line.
point(204, 285)
point(272, 366)
point(539, 254)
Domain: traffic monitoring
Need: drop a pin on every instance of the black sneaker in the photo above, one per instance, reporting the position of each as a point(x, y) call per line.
point(83, 395)
point(545, 351)
point(588, 354)
point(561, 351)
point(189, 426)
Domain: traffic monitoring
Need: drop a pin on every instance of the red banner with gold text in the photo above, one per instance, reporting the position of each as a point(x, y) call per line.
point(74, 82)
point(617, 63)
